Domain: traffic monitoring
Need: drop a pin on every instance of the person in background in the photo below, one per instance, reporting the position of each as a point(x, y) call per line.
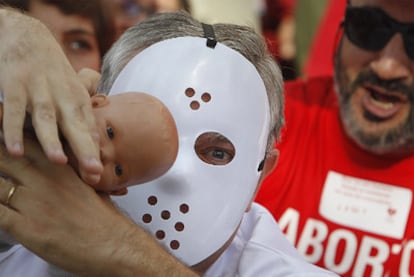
point(237, 242)
point(125, 13)
point(278, 28)
point(343, 189)
point(81, 27)
point(240, 12)
point(173, 5)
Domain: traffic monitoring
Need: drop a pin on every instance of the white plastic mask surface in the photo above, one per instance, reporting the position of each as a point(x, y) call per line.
point(195, 207)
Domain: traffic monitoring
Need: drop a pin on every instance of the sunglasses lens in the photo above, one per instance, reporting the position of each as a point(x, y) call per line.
point(409, 42)
point(367, 28)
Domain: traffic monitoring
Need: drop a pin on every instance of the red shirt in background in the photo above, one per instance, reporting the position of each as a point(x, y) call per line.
point(343, 208)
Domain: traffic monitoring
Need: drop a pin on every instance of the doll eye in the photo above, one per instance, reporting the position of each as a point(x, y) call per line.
point(110, 132)
point(118, 170)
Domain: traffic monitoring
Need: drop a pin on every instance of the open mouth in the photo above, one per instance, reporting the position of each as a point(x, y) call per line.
point(381, 104)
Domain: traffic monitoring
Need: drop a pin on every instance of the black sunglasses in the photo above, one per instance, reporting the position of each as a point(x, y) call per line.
point(371, 28)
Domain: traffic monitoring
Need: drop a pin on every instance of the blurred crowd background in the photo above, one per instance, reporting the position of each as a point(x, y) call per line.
point(300, 33)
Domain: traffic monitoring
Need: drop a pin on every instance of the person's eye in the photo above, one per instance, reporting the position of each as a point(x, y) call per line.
point(118, 170)
point(110, 132)
point(216, 156)
point(80, 45)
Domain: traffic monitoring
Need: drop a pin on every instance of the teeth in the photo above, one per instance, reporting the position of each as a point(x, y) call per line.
point(382, 105)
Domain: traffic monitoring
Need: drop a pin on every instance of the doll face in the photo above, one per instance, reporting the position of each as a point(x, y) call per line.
point(138, 139)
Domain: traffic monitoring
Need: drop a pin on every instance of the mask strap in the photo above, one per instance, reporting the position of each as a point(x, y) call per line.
point(209, 35)
point(261, 165)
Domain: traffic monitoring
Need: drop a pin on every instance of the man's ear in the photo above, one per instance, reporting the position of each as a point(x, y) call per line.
point(270, 162)
point(99, 100)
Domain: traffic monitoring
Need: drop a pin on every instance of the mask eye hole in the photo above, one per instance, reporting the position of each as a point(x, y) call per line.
point(214, 148)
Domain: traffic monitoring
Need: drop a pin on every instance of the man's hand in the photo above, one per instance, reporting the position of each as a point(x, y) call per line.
point(36, 78)
point(61, 219)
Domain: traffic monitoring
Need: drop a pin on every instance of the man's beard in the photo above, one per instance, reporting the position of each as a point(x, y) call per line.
point(398, 139)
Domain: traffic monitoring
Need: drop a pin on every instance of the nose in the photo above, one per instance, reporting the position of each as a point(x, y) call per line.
point(393, 62)
point(106, 153)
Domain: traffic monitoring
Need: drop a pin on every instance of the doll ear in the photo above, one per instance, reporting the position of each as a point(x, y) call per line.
point(119, 192)
point(99, 100)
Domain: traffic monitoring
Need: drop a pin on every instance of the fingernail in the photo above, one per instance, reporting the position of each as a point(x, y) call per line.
point(95, 163)
point(93, 179)
point(57, 155)
point(16, 148)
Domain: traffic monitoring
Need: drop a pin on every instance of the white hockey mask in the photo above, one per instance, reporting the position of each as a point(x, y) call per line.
point(195, 207)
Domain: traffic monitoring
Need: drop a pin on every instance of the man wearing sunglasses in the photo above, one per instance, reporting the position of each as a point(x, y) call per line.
point(343, 189)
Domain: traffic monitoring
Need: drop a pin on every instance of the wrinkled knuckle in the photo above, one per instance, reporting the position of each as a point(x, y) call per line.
point(79, 112)
point(44, 111)
point(77, 86)
point(14, 98)
point(17, 112)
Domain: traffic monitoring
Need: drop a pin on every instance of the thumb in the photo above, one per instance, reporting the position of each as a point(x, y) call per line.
point(90, 79)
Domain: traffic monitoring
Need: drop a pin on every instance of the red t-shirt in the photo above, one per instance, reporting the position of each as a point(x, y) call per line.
point(343, 208)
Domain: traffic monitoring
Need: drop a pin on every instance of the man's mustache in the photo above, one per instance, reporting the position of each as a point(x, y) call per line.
point(395, 85)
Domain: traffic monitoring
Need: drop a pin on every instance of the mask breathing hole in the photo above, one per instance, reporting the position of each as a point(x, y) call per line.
point(189, 92)
point(152, 200)
point(184, 208)
point(165, 215)
point(206, 97)
point(174, 244)
point(160, 234)
point(194, 105)
point(147, 218)
point(179, 226)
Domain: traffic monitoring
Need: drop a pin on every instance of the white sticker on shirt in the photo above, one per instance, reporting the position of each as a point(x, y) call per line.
point(378, 208)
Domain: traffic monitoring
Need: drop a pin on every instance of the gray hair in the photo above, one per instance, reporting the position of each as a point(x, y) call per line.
point(164, 26)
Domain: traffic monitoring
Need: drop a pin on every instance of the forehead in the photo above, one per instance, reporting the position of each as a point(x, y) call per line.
point(58, 21)
point(401, 10)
